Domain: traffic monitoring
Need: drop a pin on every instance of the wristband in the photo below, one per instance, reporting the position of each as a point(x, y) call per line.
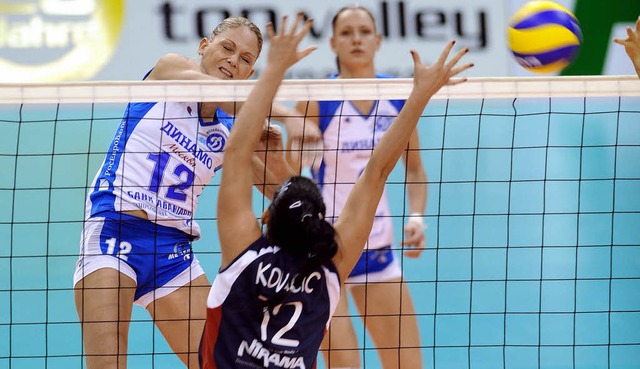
point(418, 219)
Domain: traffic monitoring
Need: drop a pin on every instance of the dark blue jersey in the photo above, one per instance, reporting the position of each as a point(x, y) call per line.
point(262, 314)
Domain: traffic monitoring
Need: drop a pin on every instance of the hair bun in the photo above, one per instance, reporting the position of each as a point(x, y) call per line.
point(296, 223)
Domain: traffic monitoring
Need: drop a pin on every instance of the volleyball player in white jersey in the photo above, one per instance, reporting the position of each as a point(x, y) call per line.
point(632, 45)
point(350, 130)
point(272, 300)
point(136, 243)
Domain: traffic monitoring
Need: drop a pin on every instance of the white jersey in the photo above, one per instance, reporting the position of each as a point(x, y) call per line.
point(349, 138)
point(160, 160)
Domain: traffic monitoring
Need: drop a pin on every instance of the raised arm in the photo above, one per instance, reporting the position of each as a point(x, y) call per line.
point(299, 129)
point(356, 219)
point(632, 45)
point(178, 67)
point(237, 224)
point(269, 165)
point(305, 153)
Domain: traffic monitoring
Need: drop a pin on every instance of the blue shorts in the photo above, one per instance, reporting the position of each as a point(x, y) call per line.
point(160, 259)
point(375, 265)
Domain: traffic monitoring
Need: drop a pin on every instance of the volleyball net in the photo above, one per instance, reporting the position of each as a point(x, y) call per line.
point(533, 238)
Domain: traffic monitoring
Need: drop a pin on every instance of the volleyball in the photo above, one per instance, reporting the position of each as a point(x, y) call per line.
point(544, 36)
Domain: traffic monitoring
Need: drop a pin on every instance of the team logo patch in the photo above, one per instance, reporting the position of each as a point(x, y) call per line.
point(181, 249)
point(215, 142)
point(383, 123)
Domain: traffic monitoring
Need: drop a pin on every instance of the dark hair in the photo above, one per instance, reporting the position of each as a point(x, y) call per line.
point(344, 9)
point(297, 225)
point(237, 22)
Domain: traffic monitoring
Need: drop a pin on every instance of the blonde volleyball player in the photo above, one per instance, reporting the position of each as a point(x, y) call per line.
point(632, 45)
point(136, 246)
point(271, 303)
point(350, 131)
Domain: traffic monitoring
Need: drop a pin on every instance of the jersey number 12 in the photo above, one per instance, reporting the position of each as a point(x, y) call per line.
point(175, 192)
point(278, 338)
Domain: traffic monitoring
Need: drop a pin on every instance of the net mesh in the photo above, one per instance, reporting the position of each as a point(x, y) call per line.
point(533, 239)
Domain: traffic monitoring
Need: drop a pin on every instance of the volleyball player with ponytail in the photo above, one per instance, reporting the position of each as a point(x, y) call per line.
point(272, 300)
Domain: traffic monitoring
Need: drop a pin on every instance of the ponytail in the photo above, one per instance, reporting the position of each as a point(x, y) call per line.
point(297, 225)
point(322, 245)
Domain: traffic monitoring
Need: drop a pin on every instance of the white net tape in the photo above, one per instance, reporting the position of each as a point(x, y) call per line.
point(302, 90)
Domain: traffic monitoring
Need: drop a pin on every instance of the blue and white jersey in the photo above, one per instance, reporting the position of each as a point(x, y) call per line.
point(349, 139)
point(261, 314)
point(160, 160)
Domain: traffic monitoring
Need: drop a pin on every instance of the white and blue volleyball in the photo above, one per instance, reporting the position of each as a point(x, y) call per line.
point(544, 36)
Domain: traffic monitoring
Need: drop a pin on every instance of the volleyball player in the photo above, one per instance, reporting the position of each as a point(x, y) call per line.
point(136, 246)
point(272, 300)
point(632, 45)
point(350, 131)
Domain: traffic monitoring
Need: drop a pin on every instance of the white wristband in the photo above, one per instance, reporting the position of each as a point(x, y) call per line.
point(418, 219)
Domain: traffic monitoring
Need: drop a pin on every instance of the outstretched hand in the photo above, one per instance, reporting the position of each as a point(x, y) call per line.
point(632, 45)
point(283, 49)
point(429, 79)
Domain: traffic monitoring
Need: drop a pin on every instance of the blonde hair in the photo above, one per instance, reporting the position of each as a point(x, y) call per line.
point(237, 22)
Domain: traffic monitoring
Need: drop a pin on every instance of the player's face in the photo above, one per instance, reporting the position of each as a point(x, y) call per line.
point(231, 54)
point(354, 39)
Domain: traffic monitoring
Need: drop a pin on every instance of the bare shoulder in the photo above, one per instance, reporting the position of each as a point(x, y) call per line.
point(169, 64)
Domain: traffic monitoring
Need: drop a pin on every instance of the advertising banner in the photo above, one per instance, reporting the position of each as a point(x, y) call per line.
point(71, 40)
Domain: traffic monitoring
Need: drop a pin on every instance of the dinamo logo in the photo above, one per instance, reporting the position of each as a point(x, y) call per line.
point(57, 40)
